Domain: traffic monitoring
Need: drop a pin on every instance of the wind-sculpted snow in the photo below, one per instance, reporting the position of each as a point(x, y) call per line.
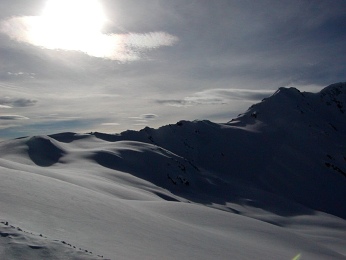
point(44, 151)
point(148, 162)
point(270, 184)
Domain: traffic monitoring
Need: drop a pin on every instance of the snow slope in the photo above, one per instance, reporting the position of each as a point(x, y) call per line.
point(270, 184)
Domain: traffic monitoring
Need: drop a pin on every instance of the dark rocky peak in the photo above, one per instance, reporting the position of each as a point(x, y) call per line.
point(335, 96)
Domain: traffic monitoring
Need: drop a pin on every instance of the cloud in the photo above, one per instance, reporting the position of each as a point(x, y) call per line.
point(140, 124)
point(14, 129)
point(110, 124)
point(121, 47)
point(173, 102)
point(12, 117)
point(21, 74)
point(148, 116)
point(7, 102)
point(145, 117)
point(6, 127)
point(149, 40)
point(218, 96)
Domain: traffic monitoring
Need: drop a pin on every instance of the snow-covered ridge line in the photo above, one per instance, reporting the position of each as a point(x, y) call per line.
point(284, 137)
point(191, 189)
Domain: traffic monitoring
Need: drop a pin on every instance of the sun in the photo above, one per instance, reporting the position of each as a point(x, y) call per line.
point(74, 15)
point(78, 25)
point(69, 25)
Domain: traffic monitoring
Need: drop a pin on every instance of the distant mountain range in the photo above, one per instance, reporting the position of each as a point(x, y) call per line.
point(283, 158)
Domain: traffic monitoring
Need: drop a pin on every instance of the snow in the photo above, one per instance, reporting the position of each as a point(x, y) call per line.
point(269, 184)
point(16, 243)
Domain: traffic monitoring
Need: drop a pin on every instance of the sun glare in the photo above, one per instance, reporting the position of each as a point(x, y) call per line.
point(76, 25)
point(70, 25)
point(74, 15)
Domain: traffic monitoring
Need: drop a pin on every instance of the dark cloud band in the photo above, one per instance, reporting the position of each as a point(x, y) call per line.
point(12, 117)
point(17, 102)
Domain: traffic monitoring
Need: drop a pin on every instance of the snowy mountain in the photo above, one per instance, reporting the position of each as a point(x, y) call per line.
point(271, 183)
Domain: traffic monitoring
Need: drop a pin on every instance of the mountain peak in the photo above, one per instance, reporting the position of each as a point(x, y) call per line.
point(323, 111)
point(335, 89)
point(335, 95)
point(287, 90)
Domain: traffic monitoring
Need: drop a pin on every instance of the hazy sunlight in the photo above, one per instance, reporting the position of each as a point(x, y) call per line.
point(69, 24)
point(76, 25)
point(81, 15)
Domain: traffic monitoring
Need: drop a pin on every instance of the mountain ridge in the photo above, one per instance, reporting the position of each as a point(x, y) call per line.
point(257, 140)
point(281, 165)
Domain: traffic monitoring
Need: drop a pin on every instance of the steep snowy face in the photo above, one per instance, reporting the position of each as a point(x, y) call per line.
point(290, 106)
point(334, 99)
point(306, 144)
point(335, 96)
point(38, 144)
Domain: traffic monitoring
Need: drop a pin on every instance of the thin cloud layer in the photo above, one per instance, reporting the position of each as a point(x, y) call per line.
point(21, 74)
point(7, 102)
point(148, 116)
point(120, 47)
point(145, 116)
point(143, 119)
point(218, 96)
point(110, 124)
point(12, 117)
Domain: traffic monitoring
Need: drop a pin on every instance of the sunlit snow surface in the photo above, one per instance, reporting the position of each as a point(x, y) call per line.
point(270, 184)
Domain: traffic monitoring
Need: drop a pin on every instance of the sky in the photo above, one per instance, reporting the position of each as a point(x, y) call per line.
point(112, 65)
